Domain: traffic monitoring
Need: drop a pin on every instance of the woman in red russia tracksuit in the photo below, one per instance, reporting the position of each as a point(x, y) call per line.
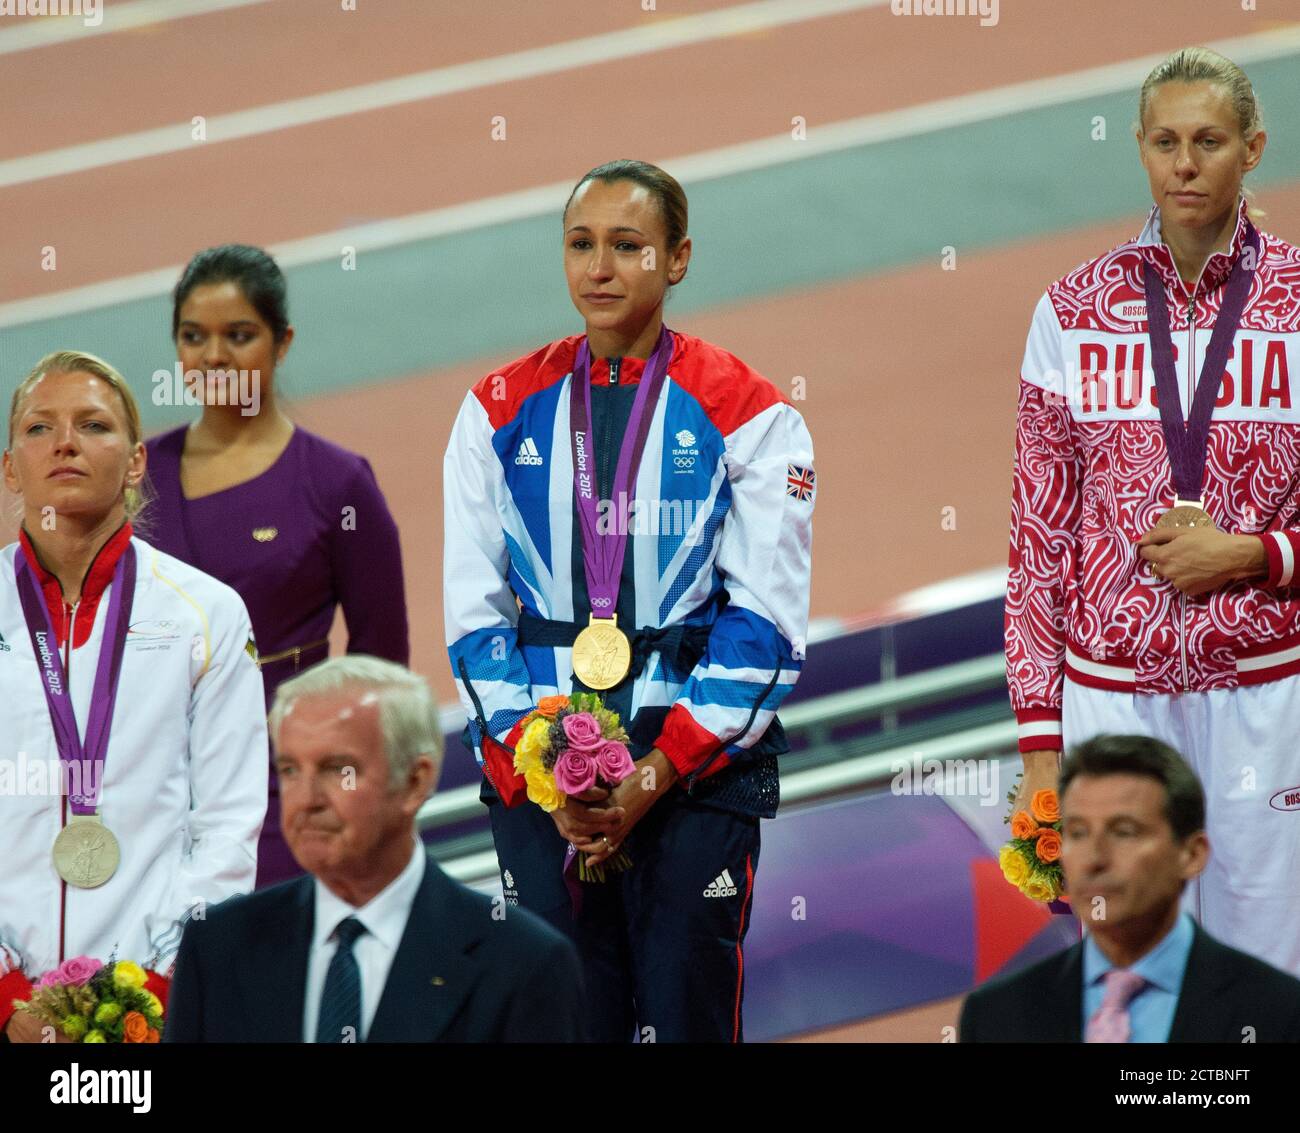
point(1115, 621)
point(716, 620)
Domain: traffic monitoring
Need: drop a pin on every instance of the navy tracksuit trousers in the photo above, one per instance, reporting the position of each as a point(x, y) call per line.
point(661, 944)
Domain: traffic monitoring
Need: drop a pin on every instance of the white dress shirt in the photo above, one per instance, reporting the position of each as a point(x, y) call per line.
point(384, 917)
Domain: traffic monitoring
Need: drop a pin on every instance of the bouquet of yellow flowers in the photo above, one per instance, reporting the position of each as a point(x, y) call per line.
point(1031, 861)
point(89, 1002)
point(568, 745)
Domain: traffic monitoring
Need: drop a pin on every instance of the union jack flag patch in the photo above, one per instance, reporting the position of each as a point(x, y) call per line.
point(799, 482)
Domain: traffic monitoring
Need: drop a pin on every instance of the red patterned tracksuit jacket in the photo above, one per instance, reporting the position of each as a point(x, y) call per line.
point(1092, 475)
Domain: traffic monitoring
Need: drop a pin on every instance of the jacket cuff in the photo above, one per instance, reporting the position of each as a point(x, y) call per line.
point(1039, 728)
point(13, 985)
point(509, 738)
point(498, 766)
point(159, 984)
point(686, 744)
point(1283, 550)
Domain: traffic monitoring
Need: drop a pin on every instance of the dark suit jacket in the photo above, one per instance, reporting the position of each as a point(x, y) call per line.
point(1224, 992)
point(459, 975)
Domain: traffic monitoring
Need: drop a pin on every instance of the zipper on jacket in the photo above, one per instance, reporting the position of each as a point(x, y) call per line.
point(69, 620)
point(1192, 372)
point(1182, 636)
point(1191, 345)
point(606, 435)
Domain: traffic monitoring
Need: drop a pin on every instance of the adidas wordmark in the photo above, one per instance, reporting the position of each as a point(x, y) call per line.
point(722, 886)
point(528, 453)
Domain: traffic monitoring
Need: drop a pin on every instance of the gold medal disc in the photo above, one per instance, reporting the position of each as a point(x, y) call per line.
point(85, 853)
point(602, 654)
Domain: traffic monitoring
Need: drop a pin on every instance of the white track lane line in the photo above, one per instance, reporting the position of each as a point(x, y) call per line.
point(668, 32)
point(48, 31)
point(870, 129)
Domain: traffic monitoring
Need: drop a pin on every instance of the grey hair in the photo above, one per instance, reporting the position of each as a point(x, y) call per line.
point(407, 713)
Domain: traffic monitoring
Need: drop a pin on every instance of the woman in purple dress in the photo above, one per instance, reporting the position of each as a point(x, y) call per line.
point(295, 524)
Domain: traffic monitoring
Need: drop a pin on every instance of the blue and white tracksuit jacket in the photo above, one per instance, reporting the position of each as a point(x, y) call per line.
point(720, 535)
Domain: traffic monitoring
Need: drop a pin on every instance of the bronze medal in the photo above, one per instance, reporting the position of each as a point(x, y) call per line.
point(1185, 514)
point(85, 853)
point(602, 654)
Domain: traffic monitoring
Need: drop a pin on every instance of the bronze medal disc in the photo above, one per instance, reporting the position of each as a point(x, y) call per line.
point(602, 654)
point(1185, 515)
point(85, 853)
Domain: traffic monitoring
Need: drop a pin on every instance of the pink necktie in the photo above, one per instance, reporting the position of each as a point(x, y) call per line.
point(1111, 1023)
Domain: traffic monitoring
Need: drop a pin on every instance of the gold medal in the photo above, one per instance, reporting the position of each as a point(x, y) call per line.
point(1185, 513)
point(85, 853)
point(602, 654)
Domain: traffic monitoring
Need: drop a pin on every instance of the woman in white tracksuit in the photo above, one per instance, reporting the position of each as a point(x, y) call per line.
point(1156, 506)
point(102, 635)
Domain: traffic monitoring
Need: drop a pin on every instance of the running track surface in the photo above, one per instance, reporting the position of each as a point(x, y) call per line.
point(827, 266)
point(910, 370)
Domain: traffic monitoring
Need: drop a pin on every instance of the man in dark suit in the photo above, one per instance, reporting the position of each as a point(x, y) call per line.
point(376, 944)
point(1132, 835)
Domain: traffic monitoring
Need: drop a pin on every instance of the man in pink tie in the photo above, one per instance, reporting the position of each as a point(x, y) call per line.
point(1132, 842)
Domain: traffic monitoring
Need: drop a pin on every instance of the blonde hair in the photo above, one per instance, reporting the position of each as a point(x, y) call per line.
point(79, 362)
point(1202, 65)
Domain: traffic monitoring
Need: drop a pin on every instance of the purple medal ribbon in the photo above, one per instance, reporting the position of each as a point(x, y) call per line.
point(569, 871)
point(1187, 445)
point(55, 680)
point(603, 551)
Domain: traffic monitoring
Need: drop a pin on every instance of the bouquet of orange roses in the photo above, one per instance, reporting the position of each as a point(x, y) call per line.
point(1031, 861)
point(89, 1002)
point(569, 744)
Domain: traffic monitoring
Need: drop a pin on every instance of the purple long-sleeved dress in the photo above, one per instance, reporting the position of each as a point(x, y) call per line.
point(310, 533)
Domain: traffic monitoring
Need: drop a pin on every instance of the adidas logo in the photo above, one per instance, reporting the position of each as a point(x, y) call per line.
point(528, 453)
point(722, 886)
point(4, 645)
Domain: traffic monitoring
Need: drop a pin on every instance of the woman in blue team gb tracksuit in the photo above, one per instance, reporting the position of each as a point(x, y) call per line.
point(711, 592)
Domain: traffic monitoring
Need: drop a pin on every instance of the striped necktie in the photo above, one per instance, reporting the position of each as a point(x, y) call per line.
point(1111, 1022)
point(340, 1002)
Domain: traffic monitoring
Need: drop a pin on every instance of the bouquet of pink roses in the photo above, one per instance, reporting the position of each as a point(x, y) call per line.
point(568, 745)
